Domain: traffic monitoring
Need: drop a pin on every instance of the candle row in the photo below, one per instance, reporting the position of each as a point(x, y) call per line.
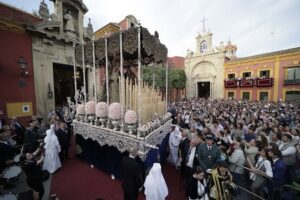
point(152, 103)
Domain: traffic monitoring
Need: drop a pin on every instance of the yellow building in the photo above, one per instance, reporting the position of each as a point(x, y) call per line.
point(270, 76)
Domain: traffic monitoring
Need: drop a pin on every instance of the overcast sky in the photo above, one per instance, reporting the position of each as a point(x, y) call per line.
point(255, 26)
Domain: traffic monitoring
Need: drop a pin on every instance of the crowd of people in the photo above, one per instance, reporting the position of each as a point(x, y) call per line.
point(221, 145)
point(37, 149)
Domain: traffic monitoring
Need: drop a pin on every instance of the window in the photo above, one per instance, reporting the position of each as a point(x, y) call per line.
point(263, 96)
point(293, 73)
point(246, 96)
point(230, 95)
point(264, 73)
point(246, 74)
point(203, 46)
point(231, 76)
point(292, 95)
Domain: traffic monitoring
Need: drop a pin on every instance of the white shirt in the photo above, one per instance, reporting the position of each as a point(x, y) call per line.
point(288, 151)
point(186, 119)
point(267, 165)
point(191, 157)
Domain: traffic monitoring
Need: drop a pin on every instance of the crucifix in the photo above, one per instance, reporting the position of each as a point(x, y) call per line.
point(203, 23)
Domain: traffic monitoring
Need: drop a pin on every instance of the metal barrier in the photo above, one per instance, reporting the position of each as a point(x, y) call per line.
point(261, 174)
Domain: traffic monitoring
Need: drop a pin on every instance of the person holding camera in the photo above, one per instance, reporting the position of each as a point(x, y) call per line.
point(35, 176)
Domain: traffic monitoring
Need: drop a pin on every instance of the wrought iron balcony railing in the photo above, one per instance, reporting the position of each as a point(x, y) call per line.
point(292, 82)
point(249, 82)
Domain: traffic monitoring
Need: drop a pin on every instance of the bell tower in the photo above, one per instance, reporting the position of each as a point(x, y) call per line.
point(204, 41)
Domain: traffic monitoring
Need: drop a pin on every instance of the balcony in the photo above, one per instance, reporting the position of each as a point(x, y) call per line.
point(264, 82)
point(247, 82)
point(230, 83)
point(250, 82)
point(292, 82)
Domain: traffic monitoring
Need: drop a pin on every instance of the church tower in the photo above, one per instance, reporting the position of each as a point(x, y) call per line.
point(204, 67)
point(204, 43)
point(230, 50)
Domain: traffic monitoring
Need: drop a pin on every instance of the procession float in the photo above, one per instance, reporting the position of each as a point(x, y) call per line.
point(128, 112)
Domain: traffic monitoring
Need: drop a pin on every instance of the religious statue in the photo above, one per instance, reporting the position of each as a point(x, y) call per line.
point(69, 26)
point(82, 94)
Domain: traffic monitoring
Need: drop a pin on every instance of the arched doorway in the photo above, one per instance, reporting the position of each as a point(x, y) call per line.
point(203, 89)
point(202, 75)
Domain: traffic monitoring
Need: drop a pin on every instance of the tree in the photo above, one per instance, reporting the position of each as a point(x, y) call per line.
point(177, 79)
point(158, 73)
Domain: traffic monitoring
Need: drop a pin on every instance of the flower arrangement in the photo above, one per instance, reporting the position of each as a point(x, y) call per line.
point(80, 109)
point(143, 130)
point(130, 117)
point(114, 111)
point(90, 108)
point(101, 109)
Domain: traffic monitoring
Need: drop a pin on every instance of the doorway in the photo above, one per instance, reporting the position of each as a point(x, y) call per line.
point(203, 89)
point(64, 83)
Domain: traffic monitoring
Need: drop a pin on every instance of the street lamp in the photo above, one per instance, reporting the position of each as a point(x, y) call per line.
point(23, 66)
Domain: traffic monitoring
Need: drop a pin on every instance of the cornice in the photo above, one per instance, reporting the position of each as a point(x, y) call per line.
point(11, 26)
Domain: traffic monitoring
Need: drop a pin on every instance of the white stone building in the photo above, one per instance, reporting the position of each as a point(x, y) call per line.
point(204, 67)
point(53, 42)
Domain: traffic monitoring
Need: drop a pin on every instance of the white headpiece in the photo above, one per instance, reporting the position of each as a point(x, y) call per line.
point(155, 184)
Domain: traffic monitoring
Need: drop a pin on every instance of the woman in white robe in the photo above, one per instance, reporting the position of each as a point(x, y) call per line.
point(155, 184)
point(52, 148)
point(174, 141)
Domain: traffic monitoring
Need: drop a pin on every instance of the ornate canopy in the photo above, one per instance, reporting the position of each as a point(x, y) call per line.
point(151, 50)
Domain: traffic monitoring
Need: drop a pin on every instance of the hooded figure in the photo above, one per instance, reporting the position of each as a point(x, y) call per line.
point(174, 141)
point(52, 148)
point(155, 185)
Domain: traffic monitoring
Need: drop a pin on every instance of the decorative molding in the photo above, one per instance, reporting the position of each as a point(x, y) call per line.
point(69, 60)
point(122, 141)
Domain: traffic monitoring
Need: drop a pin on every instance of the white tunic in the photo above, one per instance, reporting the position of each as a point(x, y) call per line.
point(174, 141)
point(52, 148)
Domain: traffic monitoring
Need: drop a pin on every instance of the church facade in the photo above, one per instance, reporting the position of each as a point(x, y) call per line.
point(204, 67)
point(38, 64)
point(53, 46)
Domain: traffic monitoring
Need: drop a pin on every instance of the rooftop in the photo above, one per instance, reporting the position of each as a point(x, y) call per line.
point(264, 55)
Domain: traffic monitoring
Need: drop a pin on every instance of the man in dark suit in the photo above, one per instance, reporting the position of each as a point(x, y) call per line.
point(184, 147)
point(208, 153)
point(63, 139)
point(132, 179)
point(30, 139)
point(18, 130)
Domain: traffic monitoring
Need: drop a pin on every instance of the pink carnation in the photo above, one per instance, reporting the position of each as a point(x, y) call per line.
point(80, 109)
point(101, 109)
point(130, 117)
point(90, 107)
point(114, 111)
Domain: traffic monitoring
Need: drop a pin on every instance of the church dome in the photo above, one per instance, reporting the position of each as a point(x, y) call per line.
point(230, 46)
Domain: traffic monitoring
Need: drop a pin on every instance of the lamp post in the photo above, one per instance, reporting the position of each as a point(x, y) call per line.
point(22, 63)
